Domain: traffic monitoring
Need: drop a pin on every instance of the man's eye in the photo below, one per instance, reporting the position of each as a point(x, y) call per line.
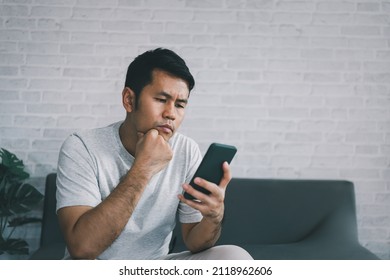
point(179, 105)
point(161, 100)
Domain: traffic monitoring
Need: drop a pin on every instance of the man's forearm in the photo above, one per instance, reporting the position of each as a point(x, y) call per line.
point(97, 228)
point(203, 235)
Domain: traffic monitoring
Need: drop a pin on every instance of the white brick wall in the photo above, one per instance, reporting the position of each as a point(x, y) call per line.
point(301, 87)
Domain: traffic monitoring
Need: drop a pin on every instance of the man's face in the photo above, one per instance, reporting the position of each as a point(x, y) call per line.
point(161, 105)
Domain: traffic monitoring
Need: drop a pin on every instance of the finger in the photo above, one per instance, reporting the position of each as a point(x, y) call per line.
point(207, 199)
point(153, 132)
point(196, 204)
point(227, 175)
point(140, 135)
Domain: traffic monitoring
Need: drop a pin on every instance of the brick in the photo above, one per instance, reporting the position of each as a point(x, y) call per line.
point(14, 144)
point(20, 23)
point(309, 125)
point(32, 71)
point(96, 86)
point(208, 4)
point(331, 162)
point(77, 48)
point(330, 42)
point(368, 7)
point(80, 24)
point(252, 40)
point(260, 136)
point(57, 2)
point(361, 31)
point(169, 38)
point(288, 161)
point(319, 173)
point(82, 72)
point(14, 10)
point(45, 59)
point(48, 24)
point(371, 162)
point(168, 15)
point(47, 145)
point(330, 6)
point(76, 122)
point(14, 35)
point(54, 36)
point(293, 149)
point(295, 5)
point(12, 83)
point(372, 19)
point(288, 113)
point(322, 77)
point(254, 17)
point(34, 121)
point(19, 133)
point(49, 84)
point(245, 112)
point(57, 133)
point(38, 48)
point(44, 157)
point(31, 96)
point(329, 90)
point(291, 18)
point(135, 14)
point(287, 77)
point(154, 3)
point(367, 44)
point(303, 137)
point(6, 120)
point(216, 15)
point(8, 71)
point(122, 25)
point(51, 11)
point(47, 108)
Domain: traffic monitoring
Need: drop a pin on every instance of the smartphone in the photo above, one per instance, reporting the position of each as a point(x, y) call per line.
point(210, 168)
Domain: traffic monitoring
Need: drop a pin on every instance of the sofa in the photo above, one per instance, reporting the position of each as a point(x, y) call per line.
point(273, 219)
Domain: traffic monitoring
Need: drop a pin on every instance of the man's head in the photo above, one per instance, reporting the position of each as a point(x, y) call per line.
point(139, 72)
point(156, 93)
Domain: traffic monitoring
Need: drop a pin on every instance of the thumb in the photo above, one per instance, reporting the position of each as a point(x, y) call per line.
point(140, 135)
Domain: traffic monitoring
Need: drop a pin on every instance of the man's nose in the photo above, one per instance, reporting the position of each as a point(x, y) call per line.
point(169, 111)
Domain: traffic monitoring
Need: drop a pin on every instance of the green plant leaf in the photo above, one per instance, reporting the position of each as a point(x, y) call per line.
point(11, 167)
point(14, 247)
point(19, 221)
point(18, 198)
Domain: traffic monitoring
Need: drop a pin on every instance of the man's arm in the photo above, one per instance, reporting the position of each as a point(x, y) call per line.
point(203, 235)
point(89, 231)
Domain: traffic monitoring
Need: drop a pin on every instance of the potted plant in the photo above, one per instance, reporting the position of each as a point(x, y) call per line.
point(16, 199)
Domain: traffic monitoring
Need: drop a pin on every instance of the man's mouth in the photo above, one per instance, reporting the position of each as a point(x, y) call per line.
point(165, 128)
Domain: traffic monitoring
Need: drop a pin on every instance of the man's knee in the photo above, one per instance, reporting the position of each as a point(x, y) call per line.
point(230, 252)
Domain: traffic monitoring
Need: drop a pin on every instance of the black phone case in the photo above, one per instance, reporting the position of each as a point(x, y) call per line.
point(210, 168)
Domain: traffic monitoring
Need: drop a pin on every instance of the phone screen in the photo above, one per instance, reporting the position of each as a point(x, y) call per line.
point(210, 168)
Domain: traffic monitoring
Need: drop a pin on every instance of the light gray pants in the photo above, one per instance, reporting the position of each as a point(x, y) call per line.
point(222, 252)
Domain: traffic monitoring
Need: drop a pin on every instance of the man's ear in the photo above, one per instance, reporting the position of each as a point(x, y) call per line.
point(128, 99)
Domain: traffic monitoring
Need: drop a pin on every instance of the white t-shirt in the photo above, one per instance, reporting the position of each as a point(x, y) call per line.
point(91, 165)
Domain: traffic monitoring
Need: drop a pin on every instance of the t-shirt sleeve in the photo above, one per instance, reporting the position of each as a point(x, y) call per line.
point(76, 175)
point(186, 213)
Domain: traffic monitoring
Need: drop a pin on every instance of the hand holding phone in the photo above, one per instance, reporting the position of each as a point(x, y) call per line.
point(210, 168)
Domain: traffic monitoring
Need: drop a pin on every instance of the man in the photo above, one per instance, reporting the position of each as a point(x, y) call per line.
point(119, 187)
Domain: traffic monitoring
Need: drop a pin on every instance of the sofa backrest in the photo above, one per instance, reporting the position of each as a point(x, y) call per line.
point(274, 211)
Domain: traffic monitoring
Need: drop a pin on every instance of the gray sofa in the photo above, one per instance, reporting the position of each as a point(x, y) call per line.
point(271, 219)
point(276, 219)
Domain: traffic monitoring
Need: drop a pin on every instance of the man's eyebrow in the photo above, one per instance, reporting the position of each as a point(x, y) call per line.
point(168, 96)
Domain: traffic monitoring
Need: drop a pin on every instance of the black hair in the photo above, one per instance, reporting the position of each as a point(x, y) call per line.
point(139, 72)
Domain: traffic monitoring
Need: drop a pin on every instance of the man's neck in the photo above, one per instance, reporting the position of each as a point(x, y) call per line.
point(128, 137)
